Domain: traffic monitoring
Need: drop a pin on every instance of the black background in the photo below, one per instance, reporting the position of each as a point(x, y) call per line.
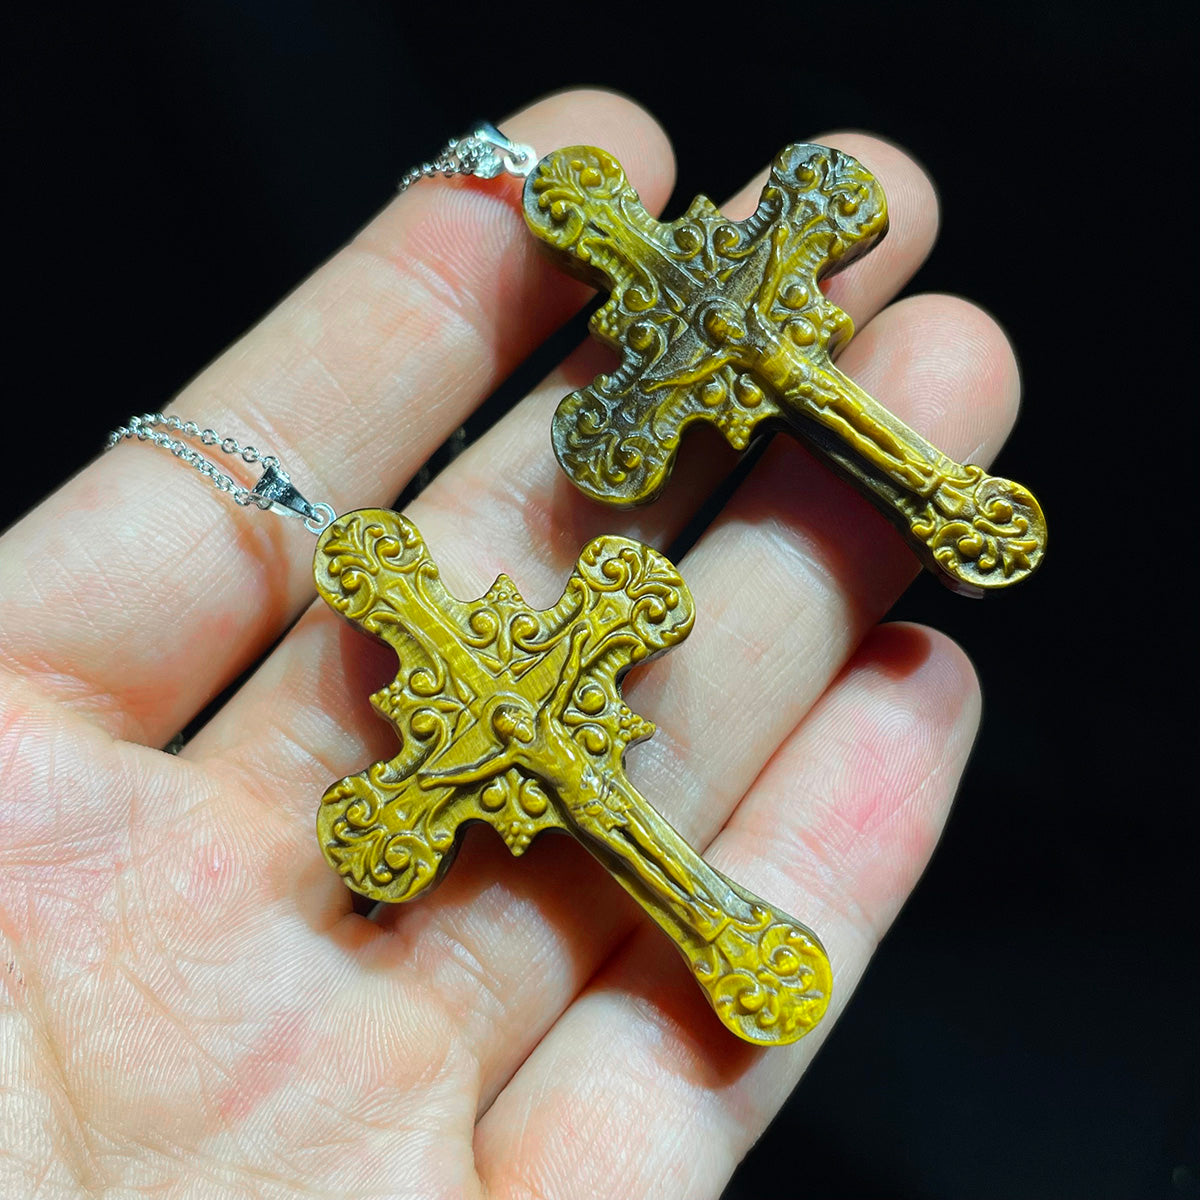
point(1029, 1029)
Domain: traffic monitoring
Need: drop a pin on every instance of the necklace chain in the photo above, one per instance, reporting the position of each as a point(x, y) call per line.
point(485, 153)
point(273, 491)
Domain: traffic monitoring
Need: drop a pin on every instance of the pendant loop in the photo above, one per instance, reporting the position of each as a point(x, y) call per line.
point(516, 158)
point(485, 153)
point(276, 491)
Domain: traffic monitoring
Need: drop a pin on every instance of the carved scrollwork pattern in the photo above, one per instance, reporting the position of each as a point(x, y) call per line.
point(769, 976)
point(979, 528)
point(725, 322)
point(513, 716)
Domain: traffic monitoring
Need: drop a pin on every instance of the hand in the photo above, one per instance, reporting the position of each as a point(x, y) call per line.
point(190, 1004)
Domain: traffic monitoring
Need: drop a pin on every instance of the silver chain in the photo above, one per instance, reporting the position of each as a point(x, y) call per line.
point(484, 152)
point(273, 491)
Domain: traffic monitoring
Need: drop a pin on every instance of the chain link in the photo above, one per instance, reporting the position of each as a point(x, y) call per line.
point(145, 429)
point(274, 491)
point(484, 152)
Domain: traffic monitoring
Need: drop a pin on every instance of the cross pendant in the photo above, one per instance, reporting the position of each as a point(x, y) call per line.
point(724, 321)
point(513, 716)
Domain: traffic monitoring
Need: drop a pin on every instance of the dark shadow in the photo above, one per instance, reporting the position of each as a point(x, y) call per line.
point(898, 650)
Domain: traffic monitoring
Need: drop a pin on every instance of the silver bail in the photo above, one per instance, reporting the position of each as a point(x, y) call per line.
point(515, 158)
point(276, 491)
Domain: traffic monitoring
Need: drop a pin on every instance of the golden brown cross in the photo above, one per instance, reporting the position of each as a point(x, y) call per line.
point(514, 716)
point(724, 321)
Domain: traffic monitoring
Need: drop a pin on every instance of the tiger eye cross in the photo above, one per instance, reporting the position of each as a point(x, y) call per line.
point(724, 321)
point(513, 716)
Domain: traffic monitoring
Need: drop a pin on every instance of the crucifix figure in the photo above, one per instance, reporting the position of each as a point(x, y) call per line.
point(724, 321)
point(513, 716)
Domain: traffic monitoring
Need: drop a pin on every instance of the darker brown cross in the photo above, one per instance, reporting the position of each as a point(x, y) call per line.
point(725, 321)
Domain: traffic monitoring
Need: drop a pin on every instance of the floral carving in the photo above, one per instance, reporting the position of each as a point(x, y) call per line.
point(513, 716)
point(725, 322)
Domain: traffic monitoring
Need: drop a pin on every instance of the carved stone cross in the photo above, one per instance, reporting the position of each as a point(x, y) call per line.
point(724, 321)
point(514, 716)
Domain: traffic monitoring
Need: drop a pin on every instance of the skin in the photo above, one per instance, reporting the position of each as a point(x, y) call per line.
point(190, 1005)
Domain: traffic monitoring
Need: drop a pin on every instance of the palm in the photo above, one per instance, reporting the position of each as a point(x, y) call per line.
point(192, 1006)
point(191, 1002)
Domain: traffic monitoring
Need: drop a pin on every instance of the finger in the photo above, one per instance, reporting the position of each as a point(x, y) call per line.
point(638, 1076)
point(136, 592)
point(813, 573)
point(817, 566)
